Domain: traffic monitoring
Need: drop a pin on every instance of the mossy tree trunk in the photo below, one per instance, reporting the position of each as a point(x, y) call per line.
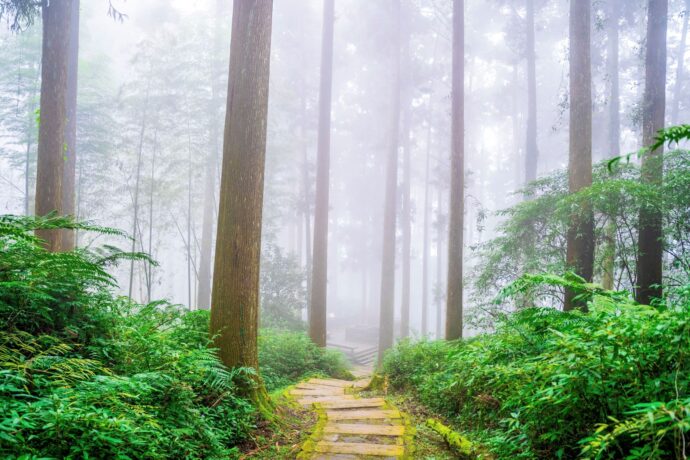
point(57, 19)
point(580, 237)
point(235, 294)
point(650, 244)
point(457, 179)
point(319, 279)
point(70, 172)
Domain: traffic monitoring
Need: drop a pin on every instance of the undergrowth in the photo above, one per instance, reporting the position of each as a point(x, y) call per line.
point(85, 373)
point(613, 383)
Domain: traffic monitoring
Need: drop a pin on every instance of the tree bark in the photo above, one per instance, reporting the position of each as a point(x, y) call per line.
point(454, 287)
point(57, 19)
point(387, 306)
point(614, 132)
point(531, 149)
point(235, 294)
point(319, 281)
point(69, 178)
point(580, 238)
point(650, 242)
point(680, 69)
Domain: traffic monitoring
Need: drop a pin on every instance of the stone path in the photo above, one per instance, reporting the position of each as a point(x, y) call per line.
point(351, 427)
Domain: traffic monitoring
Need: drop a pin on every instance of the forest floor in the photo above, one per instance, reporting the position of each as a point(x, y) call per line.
point(341, 420)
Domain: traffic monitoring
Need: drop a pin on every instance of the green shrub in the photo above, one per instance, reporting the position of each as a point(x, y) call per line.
point(613, 383)
point(287, 357)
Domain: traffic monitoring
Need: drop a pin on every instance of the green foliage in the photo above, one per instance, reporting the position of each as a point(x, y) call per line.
point(673, 135)
point(283, 296)
point(531, 240)
point(610, 384)
point(85, 373)
point(288, 357)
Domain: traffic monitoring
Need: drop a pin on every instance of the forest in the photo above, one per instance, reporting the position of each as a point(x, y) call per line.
point(344, 229)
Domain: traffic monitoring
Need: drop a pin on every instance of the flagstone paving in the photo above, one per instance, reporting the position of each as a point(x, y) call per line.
point(350, 427)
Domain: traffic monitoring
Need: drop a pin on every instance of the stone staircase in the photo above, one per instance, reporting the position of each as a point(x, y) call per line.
point(351, 427)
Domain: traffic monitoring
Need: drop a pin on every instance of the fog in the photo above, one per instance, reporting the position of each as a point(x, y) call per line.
point(151, 104)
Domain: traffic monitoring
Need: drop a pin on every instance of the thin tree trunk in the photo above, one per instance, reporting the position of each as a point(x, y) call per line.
point(531, 149)
point(677, 88)
point(149, 271)
point(235, 295)
point(319, 282)
point(650, 243)
point(457, 180)
point(387, 306)
point(406, 218)
point(439, 262)
point(57, 19)
point(306, 214)
point(614, 133)
point(425, 237)
point(580, 238)
point(189, 216)
point(135, 218)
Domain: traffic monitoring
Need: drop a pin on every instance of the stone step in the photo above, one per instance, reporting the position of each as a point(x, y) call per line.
point(379, 450)
point(322, 392)
point(363, 414)
point(314, 386)
point(331, 382)
point(362, 429)
point(321, 399)
point(353, 404)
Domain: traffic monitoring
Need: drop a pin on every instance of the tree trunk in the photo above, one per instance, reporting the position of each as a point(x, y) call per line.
point(57, 19)
point(425, 236)
point(457, 179)
point(235, 294)
point(137, 180)
point(152, 188)
point(69, 177)
point(677, 88)
point(306, 212)
point(387, 310)
point(614, 132)
point(650, 243)
point(580, 238)
point(531, 150)
point(439, 263)
point(406, 218)
point(319, 281)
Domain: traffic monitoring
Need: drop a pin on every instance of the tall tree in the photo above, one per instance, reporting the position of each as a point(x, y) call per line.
point(580, 238)
point(406, 217)
point(680, 67)
point(319, 280)
point(531, 150)
point(457, 178)
point(235, 295)
point(70, 171)
point(650, 245)
point(387, 311)
point(425, 236)
point(203, 299)
point(614, 128)
point(57, 20)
